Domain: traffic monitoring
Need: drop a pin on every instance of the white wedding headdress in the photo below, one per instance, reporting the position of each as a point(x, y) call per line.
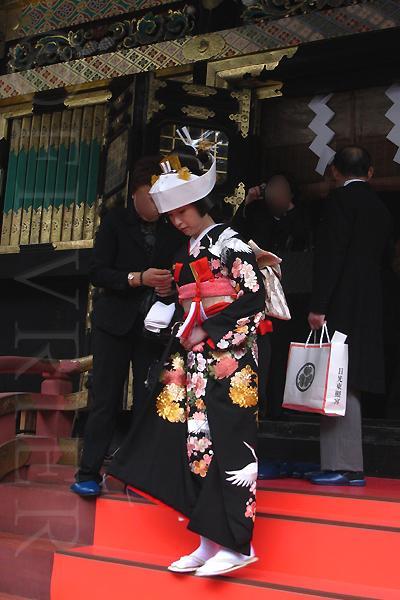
point(177, 187)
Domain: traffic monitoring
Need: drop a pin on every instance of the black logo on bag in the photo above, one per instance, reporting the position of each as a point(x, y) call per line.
point(305, 377)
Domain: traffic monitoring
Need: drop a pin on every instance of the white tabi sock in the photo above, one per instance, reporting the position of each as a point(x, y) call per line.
point(232, 556)
point(207, 549)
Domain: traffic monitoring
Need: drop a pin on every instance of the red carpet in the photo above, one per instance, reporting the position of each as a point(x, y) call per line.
point(312, 543)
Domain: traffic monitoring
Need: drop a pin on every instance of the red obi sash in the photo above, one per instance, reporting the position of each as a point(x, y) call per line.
point(206, 298)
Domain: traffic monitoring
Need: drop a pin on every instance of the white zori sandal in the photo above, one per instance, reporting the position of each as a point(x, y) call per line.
point(225, 561)
point(186, 564)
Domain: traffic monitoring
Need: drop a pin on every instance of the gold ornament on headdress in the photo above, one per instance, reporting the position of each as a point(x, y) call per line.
point(184, 173)
point(174, 161)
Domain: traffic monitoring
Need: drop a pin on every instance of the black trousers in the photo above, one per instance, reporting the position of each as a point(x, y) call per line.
point(112, 356)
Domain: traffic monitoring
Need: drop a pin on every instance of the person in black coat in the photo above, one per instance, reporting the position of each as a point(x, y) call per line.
point(132, 258)
point(353, 234)
point(274, 217)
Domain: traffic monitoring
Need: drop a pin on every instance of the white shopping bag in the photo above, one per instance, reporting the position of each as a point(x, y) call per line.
point(316, 377)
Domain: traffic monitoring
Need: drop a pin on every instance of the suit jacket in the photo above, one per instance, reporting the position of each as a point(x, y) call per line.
point(119, 248)
point(353, 233)
point(291, 233)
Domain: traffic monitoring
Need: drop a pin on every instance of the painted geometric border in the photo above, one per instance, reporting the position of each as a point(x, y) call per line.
point(261, 36)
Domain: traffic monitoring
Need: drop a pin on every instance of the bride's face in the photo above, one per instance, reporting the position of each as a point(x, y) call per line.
point(187, 219)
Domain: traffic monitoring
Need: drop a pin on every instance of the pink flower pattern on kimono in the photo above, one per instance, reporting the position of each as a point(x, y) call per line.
point(250, 508)
point(198, 384)
point(225, 367)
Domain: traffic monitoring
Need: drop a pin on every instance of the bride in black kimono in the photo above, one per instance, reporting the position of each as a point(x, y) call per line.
point(194, 447)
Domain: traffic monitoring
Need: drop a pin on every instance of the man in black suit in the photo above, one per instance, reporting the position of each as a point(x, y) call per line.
point(132, 258)
point(347, 294)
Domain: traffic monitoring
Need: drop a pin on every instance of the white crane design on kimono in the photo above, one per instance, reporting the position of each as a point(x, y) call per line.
point(248, 475)
point(228, 241)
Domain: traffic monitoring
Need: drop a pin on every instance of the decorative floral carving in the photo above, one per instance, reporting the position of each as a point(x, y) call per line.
point(276, 9)
point(97, 39)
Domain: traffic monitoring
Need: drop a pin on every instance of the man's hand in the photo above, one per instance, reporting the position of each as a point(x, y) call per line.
point(196, 336)
point(316, 321)
point(254, 193)
point(160, 279)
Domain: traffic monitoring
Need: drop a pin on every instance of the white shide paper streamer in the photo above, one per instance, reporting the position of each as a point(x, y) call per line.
point(323, 134)
point(393, 114)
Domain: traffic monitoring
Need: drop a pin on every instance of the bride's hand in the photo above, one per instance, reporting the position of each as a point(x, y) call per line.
point(197, 335)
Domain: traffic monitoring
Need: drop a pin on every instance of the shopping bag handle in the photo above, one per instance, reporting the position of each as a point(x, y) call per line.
point(324, 331)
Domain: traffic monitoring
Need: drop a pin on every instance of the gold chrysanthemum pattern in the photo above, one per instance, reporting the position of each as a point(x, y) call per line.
point(168, 403)
point(244, 388)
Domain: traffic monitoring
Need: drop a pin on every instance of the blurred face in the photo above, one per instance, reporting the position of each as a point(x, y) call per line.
point(188, 220)
point(278, 194)
point(144, 204)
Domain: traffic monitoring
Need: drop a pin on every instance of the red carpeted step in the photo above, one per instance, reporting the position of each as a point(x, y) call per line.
point(26, 563)
point(102, 573)
point(376, 504)
point(53, 511)
point(293, 545)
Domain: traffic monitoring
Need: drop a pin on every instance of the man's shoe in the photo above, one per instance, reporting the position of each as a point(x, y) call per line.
point(338, 478)
point(86, 488)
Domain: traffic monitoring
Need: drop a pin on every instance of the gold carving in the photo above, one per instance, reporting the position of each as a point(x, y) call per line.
point(77, 224)
point(153, 105)
point(45, 226)
point(242, 118)
point(203, 47)
point(15, 226)
point(68, 216)
point(27, 212)
point(6, 229)
point(197, 112)
point(199, 90)
point(65, 134)
point(35, 225)
point(237, 198)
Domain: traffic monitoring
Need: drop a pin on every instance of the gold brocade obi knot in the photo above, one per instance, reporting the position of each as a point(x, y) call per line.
point(203, 299)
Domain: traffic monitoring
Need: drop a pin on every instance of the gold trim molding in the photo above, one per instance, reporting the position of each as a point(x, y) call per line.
point(9, 249)
point(73, 245)
point(223, 73)
point(272, 90)
point(12, 112)
point(88, 98)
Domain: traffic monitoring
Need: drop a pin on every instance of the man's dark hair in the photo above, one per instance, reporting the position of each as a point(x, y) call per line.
point(143, 171)
point(352, 161)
